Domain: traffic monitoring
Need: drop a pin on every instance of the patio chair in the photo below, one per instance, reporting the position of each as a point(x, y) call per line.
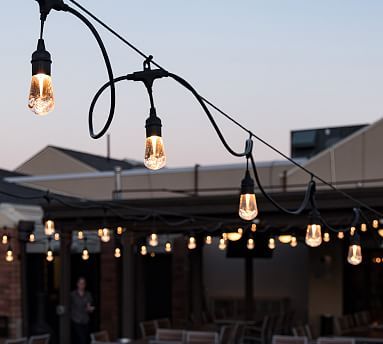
point(169, 336)
point(257, 333)
point(226, 334)
point(302, 331)
point(41, 339)
point(335, 340)
point(23, 340)
point(163, 323)
point(101, 336)
point(148, 329)
point(289, 340)
point(199, 337)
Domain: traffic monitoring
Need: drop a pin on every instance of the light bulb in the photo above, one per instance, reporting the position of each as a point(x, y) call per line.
point(192, 243)
point(41, 99)
point(49, 227)
point(375, 224)
point(56, 236)
point(253, 227)
point(168, 247)
point(120, 230)
point(80, 235)
point(352, 231)
point(117, 252)
point(354, 254)
point(248, 209)
point(9, 255)
point(313, 235)
point(208, 240)
point(32, 237)
point(99, 232)
point(4, 239)
point(222, 244)
point(378, 260)
point(380, 232)
point(152, 254)
point(293, 241)
point(224, 236)
point(85, 254)
point(326, 237)
point(271, 244)
point(235, 235)
point(250, 244)
point(50, 257)
point(340, 235)
point(155, 157)
point(153, 240)
point(285, 238)
point(363, 227)
point(143, 250)
point(105, 237)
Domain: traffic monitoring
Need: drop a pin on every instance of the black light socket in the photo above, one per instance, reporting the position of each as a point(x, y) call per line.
point(153, 124)
point(41, 60)
point(247, 184)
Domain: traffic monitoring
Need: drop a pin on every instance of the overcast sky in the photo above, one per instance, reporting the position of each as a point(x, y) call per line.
point(275, 65)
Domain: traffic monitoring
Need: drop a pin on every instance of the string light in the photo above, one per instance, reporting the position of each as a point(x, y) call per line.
point(250, 244)
point(4, 239)
point(363, 227)
point(9, 254)
point(235, 235)
point(285, 238)
point(80, 235)
point(271, 244)
point(248, 209)
point(50, 257)
point(120, 230)
point(153, 240)
point(340, 235)
point(168, 247)
point(31, 237)
point(380, 232)
point(293, 242)
point(143, 250)
point(56, 236)
point(326, 237)
point(99, 232)
point(253, 227)
point(375, 224)
point(313, 235)
point(354, 256)
point(192, 243)
point(85, 254)
point(208, 240)
point(222, 244)
point(49, 227)
point(105, 235)
point(117, 252)
point(152, 254)
point(352, 230)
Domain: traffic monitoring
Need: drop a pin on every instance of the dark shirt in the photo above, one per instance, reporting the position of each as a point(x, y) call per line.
point(79, 313)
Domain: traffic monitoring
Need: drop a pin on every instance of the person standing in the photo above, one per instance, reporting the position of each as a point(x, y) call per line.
point(81, 308)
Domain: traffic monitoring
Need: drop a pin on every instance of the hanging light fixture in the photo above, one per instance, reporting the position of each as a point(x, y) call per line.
point(248, 209)
point(313, 235)
point(120, 230)
point(352, 230)
point(285, 238)
point(85, 254)
point(340, 235)
point(153, 240)
point(293, 241)
point(4, 239)
point(222, 244)
point(271, 244)
point(250, 244)
point(208, 240)
point(143, 250)
point(363, 227)
point(235, 235)
point(117, 252)
point(9, 254)
point(253, 227)
point(105, 235)
point(50, 257)
point(354, 256)
point(49, 227)
point(192, 243)
point(32, 237)
point(375, 224)
point(326, 237)
point(168, 247)
point(80, 235)
point(56, 236)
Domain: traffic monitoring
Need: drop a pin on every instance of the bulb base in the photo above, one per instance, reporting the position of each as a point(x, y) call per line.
point(153, 124)
point(41, 60)
point(247, 184)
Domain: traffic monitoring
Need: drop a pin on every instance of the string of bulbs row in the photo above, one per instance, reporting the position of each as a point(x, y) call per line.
point(41, 102)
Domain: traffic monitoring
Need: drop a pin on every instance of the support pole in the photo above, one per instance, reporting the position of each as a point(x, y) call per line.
point(197, 294)
point(249, 288)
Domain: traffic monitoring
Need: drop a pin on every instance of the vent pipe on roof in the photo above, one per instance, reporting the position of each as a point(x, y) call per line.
point(117, 194)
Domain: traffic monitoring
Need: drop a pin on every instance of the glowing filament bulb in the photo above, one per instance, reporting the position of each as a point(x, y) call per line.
point(340, 235)
point(9, 255)
point(354, 254)
point(99, 232)
point(85, 254)
point(117, 252)
point(4, 239)
point(41, 99)
point(253, 227)
point(326, 237)
point(155, 157)
point(293, 242)
point(363, 227)
point(32, 237)
point(352, 231)
point(120, 230)
point(248, 209)
point(192, 243)
point(168, 247)
point(222, 244)
point(56, 236)
point(80, 235)
point(250, 244)
point(143, 250)
point(375, 224)
point(105, 237)
point(208, 240)
point(235, 235)
point(271, 244)
point(50, 257)
point(153, 240)
point(49, 227)
point(313, 235)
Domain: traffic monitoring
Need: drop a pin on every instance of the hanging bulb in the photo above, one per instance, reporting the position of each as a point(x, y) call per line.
point(250, 244)
point(99, 232)
point(152, 254)
point(293, 241)
point(352, 230)
point(56, 236)
point(168, 247)
point(153, 240)
point(340, 235)
point(154, 146)
point(208, 240)
point(41, 100)
point(326, 237)
point(271, 244)
point(85, 254)
point(253, 227)
point(105, 237)
point(285, 238)
point(363, 227)
point(247, 202)
point(354, 256)
point(375, 224)
point(50, 257)
point(80, 235)
point(235, 235)
point(222, 244)
point(192, 243)
point(313, 235)
point(117, 252)
point(143, 250)
point(4, 239)
point(120, 230)
point(31, 237)
point(224, 236)
point(380, 232)
point(9, 255)
point(49, 227)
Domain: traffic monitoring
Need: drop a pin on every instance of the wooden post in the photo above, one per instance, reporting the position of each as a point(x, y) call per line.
point(65, 284)
point(249, 289)
point(196, 272)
